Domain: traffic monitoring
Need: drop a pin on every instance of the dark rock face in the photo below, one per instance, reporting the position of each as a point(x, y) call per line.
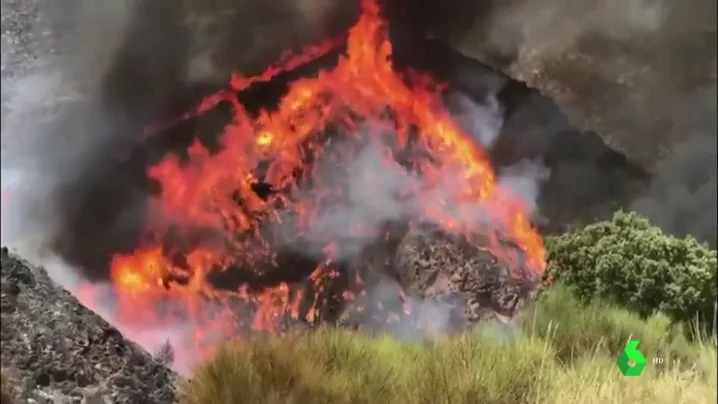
point(56, 349)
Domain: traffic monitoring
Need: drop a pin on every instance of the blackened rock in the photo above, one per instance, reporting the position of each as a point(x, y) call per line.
point(53, 348)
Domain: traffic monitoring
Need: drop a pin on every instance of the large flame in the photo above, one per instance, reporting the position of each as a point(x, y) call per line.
point(211, 212)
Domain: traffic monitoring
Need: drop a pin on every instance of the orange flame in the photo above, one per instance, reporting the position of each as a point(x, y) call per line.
point(202, 192)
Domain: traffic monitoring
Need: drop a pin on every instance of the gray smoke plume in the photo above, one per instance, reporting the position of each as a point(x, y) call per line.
point(375, 194)
point(54, 124)
point(81, 81)
point(520, 30)
point(682, 197)
point(375, 186)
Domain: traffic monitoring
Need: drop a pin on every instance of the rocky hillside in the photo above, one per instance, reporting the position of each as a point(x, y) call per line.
point(56, 350)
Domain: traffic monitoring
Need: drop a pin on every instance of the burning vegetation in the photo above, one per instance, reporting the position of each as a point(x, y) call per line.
point(296, 215)
point(379, 180)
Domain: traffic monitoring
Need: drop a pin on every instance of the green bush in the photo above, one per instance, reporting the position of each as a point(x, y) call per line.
point(631, 263)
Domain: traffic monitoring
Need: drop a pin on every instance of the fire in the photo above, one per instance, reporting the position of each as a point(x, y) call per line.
point(265, 138)
point(211, 211)
point(140, 272)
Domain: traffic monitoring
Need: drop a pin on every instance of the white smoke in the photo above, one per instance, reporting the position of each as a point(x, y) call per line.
point(423, 318)
point(375, 187)
point(483, 122)
point(47, 110)
point(46, 75)
point(375, 193)
point(524, 180)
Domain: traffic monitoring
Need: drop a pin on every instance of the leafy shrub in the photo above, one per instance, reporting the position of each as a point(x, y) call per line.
point(631, 263)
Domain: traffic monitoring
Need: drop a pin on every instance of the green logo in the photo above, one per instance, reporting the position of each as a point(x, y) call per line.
point(631, 362)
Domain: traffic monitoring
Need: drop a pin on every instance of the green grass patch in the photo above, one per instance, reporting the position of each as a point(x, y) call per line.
point(577, 329)
point(559, 351)
point(339, 366)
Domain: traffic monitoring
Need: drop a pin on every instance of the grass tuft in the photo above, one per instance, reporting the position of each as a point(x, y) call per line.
point(559, 351)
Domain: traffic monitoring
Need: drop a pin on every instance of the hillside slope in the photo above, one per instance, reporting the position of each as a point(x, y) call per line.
point(55, 348)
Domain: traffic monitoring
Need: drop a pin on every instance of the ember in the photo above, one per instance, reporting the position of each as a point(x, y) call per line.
point(226, 215)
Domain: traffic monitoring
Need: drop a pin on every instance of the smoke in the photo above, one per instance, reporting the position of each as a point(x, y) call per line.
point(481, 121)
point(682, 199)
point(548, 28)
point(618, 67)
point(81, 79)
point(484, 121)
point(56, 126)
point(32, 91)
point(121, 65)
point(683, 195)
point(51, 113)
point(247, 35)
point(424, 317)
point(517, 30)
point(378, 190)
point(375, 193)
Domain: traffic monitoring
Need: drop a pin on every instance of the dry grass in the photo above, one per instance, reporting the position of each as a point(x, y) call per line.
point(596, 380)
point(552, 356)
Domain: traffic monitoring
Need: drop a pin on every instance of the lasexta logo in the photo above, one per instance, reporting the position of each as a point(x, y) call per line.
point(631, 362)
